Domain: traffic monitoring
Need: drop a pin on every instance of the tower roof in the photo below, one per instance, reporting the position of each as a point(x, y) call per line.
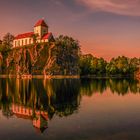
point(41, 22)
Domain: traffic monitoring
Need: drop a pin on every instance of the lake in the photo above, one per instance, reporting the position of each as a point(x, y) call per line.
point(69, 109)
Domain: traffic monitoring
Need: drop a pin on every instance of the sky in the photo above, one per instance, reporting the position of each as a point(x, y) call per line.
point(104, 28)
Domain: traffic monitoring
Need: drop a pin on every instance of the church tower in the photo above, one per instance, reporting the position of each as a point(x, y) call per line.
point(41, 28)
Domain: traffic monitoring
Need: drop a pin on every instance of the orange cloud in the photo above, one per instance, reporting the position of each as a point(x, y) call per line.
point(121, 7)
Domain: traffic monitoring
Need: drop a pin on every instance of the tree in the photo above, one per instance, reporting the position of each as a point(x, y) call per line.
point(86, 64)
point(35, 36)
point(8, 40)
point(123, 66)
point(90, 65)
point(67, 54)
point(101, 66)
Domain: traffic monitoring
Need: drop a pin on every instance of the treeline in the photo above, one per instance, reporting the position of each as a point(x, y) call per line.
point(120, 66)
point(65, 59)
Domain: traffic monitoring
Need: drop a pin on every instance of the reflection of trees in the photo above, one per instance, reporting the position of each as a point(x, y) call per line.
point(90, 86)
point(119, 86)
point(5, 99)
point(54, 96)
point(124, 86)
point(60, 97)
point(66, 99)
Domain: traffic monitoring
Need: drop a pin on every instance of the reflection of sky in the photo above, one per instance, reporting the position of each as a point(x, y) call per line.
point(104, 28)
point(101, 116)
point(16, 128)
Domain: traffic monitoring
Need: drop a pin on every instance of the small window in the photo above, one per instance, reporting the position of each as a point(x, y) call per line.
point(29, 41)
point(18, 43)
point(25, 41)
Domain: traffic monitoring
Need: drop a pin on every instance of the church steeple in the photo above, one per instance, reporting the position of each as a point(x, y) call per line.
point(41, 28)
point(41, 23)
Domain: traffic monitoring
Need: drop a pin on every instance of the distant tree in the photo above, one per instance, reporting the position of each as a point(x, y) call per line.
point(8, 40)
point(101, 66)
point(90, 65)
point(87, 64)
point(122, 65)
point(134, 64)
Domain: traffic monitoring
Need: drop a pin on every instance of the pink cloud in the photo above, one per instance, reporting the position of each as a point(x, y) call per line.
point(122, 7)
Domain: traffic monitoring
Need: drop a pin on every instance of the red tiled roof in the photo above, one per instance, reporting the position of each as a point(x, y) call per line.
point(47, 36)
point(41, 23)
point(25, 35)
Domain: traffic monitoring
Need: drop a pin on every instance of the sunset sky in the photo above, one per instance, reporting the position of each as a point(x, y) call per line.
point(105, 28)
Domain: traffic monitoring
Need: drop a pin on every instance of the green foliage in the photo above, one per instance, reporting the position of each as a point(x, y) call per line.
point(122, 66)
point(67, 54)
point(4, 48)
point(61, 57)
point(90, 65)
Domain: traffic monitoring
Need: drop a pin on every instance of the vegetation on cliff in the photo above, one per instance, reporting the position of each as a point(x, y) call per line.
point(60, 57)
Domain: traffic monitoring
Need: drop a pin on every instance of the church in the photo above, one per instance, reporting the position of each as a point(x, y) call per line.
point(40, 35)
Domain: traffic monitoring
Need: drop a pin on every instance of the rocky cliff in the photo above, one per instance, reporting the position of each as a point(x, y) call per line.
point(35, 59)
point(138, 74)
point(40, 59)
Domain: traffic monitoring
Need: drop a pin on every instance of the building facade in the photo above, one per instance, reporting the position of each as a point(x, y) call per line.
point(39, 35)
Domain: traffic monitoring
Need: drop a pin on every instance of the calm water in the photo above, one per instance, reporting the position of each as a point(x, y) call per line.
point(69, 109)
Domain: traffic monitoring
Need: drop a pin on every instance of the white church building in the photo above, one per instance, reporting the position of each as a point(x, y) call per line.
point(40, 33)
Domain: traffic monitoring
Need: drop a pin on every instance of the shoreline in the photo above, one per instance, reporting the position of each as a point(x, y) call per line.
point(66, 77)
point(41, 76)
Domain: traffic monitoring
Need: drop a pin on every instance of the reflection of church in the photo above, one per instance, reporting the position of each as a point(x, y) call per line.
point(39, 118)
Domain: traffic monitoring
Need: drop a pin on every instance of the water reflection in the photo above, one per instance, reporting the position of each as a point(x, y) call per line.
point(39, 100)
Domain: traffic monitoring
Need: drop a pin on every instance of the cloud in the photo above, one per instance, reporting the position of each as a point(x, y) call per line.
point(121, 7)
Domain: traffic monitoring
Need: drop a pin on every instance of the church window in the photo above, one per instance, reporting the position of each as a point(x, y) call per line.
point(18, 43)
point(25, 41)
point(22, 42)
point(29, 41)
